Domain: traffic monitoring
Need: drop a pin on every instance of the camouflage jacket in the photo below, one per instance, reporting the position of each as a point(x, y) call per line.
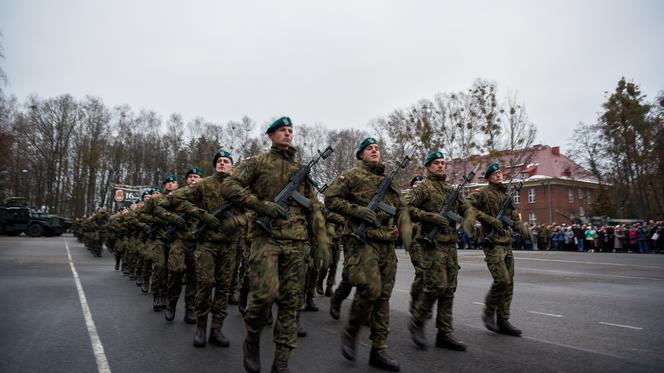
point(261, 178)
point(429, 198)
point(355, 187)
point(172, 205)
point(487, 202)
point(147, 216)
point(335, 224)
point(205, 198)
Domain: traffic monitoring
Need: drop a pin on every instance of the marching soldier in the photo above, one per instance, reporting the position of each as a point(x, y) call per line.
point(499, 258)
point(214, 258)
point(181, 254)
point(372, 263)
point(277, 257)
point(435, 259)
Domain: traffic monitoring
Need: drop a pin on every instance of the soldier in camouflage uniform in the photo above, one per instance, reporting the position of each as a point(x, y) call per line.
point(98, 231)
point(437, 260)
point(277, 258)
point(499, 258)
point(181, 254)
point(372, 263)
point(335, 224)
point(215, 255)
point(146, 248)
point(415, 251)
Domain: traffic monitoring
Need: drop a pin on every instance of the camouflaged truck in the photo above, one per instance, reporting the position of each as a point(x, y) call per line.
point(17, 217)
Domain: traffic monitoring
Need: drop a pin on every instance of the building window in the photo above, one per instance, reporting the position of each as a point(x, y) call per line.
point(532, 219)
point(570, 195)
point(580, 193)
point(517, 198)
point(531, 195)
point(582, 212)
point(523, 175)
point(589, 197)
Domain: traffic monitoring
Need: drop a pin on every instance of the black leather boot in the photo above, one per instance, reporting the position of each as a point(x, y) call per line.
point(163, 303)
point(335, 308)
point(379, 358)
point(416, 329)
point(328, 291)
point(156, 304)
point(169, 312)
point(252, 357)
point(348, 348)
point(270, 318)
point(319, 287)
point(504, 327)
point(489, 319)
point(280, 367)
point(447, 340)
point(145, 287)
point(201, 331)
point(217, 338)
point(310, 305)
point(242, 301)
point(189, 317)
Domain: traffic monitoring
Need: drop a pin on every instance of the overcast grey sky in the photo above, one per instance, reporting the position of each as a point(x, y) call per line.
point(338, 63)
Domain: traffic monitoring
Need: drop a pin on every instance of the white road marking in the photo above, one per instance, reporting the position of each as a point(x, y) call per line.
point(97, 347)
point(545, 314)
point(621, 326)
point(402, 290)
point(478, 303)
point(582, 262)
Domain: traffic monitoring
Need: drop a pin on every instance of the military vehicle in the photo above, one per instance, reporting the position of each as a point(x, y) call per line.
point(17, 217)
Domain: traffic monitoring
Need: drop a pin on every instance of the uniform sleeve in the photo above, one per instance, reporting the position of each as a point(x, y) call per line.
point(336, 197)
point(416, 199)
point(188, 200)
point(236, 188)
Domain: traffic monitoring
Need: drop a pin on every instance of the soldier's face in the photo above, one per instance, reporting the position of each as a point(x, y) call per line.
point(223, 165)
point(171, 186)
point(147, 197)
point(437, 167)
point(371, 154)
point(496, 177)
point(193, 179)
point(281, 137)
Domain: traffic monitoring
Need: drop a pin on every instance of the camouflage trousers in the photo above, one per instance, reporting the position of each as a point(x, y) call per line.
point(331, 271)
point(416, 288)
point(313, 268)
point(277, 269)
point(500, 261)
point(145, 260)
point(214, 263)
point(181, 264)
point(239, 271)
point(439, 270)
point(343, 290)
point(129, 254)
point(372, 269)
point(159, 278)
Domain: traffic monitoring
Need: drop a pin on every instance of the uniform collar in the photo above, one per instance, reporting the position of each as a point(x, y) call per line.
point(378, 169)
point(288, 154)
point(434, 177)
point(499, 187)
point(220, 175)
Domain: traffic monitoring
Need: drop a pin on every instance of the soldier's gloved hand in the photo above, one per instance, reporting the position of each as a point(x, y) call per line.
point(228, 225)
point(178, 221)
point(210, 220)
point(273, 210)
point(436, 219)
point(367, 215)
point(495, 224)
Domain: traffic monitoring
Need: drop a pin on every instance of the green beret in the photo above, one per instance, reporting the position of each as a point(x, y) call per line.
point(170, 179)
point(433, 156)
point(366, 142)
point(281, 122)
point(219, 154)
point(493, 167)
point(416, 179)
point(195, 170)
point(146, 192)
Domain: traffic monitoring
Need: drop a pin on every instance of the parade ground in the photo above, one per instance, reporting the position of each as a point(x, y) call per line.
point(63, 310)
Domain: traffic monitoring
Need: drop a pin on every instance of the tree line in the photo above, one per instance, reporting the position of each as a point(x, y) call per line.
point(65, 153)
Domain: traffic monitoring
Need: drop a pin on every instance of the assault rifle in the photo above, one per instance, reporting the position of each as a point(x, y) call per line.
point(502, 214)
point(289, 192)
point(221, 213)
point(377, 203)
point(446, 211)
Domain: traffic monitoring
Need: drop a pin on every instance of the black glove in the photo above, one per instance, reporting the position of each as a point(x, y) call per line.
point(496, 224)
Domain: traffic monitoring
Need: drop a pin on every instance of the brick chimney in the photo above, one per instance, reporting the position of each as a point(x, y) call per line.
point(555, 150)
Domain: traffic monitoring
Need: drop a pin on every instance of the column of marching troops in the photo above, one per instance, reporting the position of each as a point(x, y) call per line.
point(223, 234)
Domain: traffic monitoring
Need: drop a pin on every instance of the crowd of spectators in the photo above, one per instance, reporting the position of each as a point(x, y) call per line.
point(643, 237)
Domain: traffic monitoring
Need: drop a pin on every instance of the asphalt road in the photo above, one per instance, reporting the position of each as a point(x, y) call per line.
point(579, 313)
